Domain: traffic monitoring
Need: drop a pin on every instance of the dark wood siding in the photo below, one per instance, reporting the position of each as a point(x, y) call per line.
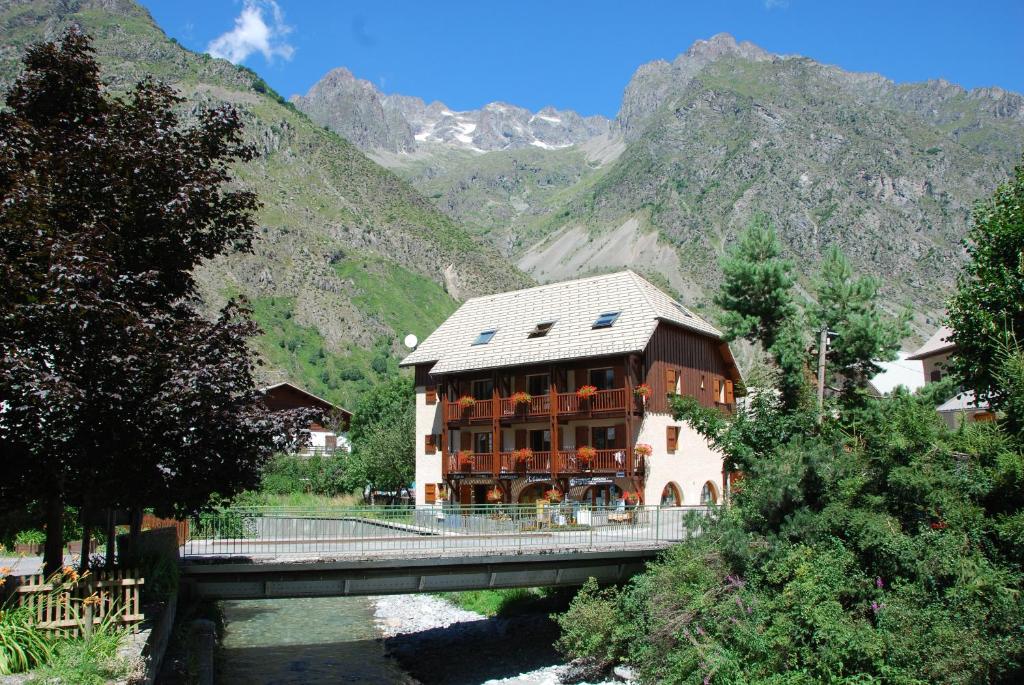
point(423, 374)
point(695, 358)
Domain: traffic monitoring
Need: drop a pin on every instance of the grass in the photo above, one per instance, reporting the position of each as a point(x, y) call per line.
point(403, 301)
point(89, 660)
point(302, 500)
point(503, 602)
point(22, 645)
point(302, 351)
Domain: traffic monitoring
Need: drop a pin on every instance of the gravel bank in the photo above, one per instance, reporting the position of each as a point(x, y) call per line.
point(437, 642)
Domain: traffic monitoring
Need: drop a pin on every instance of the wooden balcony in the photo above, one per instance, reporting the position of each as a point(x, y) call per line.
point(566, 462)
point(604, 403)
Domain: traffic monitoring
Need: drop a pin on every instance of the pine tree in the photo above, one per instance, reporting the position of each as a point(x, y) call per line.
point(861, 333)
point(756, 294)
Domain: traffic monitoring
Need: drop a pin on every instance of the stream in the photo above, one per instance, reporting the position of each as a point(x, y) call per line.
point(427, 640)
point(308, 641)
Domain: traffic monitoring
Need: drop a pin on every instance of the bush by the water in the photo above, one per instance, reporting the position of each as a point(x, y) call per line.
point(884, 551)
point(318, 475)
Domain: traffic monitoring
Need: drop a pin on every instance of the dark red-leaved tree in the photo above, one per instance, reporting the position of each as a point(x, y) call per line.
point(114, 391)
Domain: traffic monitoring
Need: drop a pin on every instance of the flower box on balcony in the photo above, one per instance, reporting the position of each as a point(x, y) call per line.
point(643, 450)
point(521, 400)
point(466, 402)
point(586, 455)
point(643, 391)
point(586, 392)
point(522, 458)
point(465, 461)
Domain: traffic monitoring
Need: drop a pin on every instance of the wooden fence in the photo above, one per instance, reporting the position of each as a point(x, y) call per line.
point(150, 522)
point(101, 595)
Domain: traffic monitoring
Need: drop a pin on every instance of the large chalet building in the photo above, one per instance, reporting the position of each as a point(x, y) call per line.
point(565, 387)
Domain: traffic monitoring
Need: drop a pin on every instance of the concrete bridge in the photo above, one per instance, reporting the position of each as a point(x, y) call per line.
point(258, 553)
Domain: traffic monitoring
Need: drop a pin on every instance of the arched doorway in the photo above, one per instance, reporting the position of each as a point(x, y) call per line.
point(709, 494)
point(671, 496)
point(533, 492)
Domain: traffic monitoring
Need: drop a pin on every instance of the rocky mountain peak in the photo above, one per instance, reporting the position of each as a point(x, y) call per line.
point(373, 121)
point(722, 45)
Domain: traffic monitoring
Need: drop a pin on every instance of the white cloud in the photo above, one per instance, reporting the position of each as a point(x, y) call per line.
point(252, 34)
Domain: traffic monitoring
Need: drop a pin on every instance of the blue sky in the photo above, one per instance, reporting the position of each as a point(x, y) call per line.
point(580, 55)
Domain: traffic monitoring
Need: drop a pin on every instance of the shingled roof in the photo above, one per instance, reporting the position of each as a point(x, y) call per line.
point(940, 342)
point(574, 306)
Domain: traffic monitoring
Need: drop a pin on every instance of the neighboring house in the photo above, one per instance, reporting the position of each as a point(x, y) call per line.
point(323, 440)
point(935, 353)
point(476, 441)
point(903, 371)
point(935, 356)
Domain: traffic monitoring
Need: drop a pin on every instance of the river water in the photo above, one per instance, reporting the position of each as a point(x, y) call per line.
point(308, 641)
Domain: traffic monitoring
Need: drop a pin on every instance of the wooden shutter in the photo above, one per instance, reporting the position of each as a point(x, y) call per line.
point(582, 436)
point(671, 438)
point(729, 398)
point(521, 436)
point(465, 494)
point(431, 493)
point(465, 440)
point(431, 394)
point(670, 380)
point(620, 436)
point(618, 377)
point(716, 389)
point(430, 444)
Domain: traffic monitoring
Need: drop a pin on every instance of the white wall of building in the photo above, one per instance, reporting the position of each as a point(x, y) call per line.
point(428, 421)
point(693, 463)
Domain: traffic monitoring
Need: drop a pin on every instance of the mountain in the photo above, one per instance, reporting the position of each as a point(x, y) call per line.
point(888, 172)
point(349, 259)
point(354, 109)
point(375, 122)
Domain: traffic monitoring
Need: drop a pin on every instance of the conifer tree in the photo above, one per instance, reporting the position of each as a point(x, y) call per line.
point(861, 333)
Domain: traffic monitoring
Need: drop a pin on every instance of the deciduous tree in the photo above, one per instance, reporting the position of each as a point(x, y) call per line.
point(115, 391)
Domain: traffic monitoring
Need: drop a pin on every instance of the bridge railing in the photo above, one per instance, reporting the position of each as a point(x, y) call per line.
point(438, 530)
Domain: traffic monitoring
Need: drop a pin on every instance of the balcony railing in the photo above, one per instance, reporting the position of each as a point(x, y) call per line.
point(602, 401)
point(607, 461)
point(568, 403)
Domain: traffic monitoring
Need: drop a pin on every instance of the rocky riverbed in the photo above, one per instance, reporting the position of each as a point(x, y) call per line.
point(437, 642)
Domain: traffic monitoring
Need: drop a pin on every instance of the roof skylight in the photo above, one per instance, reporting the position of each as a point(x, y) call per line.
point(541, 329)
point(606, 320)
point(485, 336)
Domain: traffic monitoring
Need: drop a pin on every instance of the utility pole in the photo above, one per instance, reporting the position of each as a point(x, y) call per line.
point(822, 344)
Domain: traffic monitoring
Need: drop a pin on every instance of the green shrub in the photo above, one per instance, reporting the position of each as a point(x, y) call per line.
point(32, 536)
point(91, 660)
point(22, 645)
point(318, 475)
point(589, 624)
point(161, 574)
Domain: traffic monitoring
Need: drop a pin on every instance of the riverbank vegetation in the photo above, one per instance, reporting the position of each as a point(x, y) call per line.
point(866, 543)
point(510, 601)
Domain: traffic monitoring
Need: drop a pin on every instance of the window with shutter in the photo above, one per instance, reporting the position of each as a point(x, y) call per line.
point(670, 380)
point(729, 397)
point(431, 394)
point(671, 438)
point(716, 390)
point(430, 444)
point(430, 491)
